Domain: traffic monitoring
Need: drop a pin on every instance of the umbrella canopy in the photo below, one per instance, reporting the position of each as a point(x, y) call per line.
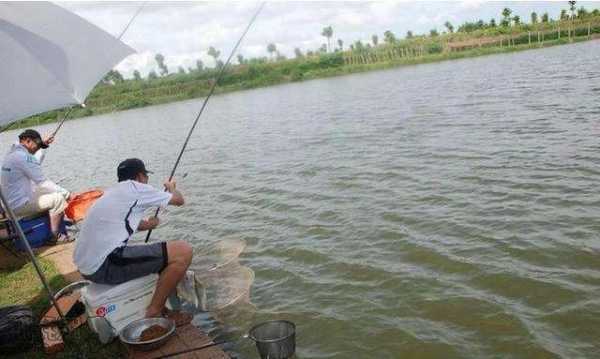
point(50, 58)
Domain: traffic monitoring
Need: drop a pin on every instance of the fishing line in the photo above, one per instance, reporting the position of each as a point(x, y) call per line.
point(212, 89)
point(131, 21)
point(119, 38)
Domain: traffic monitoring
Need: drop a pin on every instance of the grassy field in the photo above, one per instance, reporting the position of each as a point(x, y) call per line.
point(19, 284)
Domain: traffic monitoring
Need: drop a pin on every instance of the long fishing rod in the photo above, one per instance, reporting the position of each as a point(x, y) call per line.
point(61, 122)
point(212, 89)
point(119, 38)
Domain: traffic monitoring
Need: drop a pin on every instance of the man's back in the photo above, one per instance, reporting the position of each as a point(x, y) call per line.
point(19, 170)
point(112, 220)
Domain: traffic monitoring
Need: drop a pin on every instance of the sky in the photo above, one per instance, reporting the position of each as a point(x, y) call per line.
point(183, 31)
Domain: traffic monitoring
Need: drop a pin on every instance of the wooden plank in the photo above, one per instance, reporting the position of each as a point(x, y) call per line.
point(138, 354)
point(65, 303)
point(51, 335)
point(173, 345)
point(192, 337)
point(187, 337)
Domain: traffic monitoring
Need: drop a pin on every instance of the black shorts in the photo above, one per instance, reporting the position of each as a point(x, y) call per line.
point(131, 262)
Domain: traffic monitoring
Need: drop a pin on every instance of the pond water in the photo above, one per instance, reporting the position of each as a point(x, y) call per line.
point(445, 210)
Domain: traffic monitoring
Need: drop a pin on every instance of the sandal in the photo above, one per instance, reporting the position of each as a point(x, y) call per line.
point(60, 239)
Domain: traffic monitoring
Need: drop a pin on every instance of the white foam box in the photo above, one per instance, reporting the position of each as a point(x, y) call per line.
point(120, 304)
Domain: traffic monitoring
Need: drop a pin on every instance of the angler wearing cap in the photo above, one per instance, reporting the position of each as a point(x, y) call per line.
point(29, 192)
point(102, 253)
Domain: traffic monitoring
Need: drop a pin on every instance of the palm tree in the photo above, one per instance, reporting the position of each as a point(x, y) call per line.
point(433, 33)
point(136, 75)
point(389, 37)
point(506, 17)
point(117, 77)
point(240, 59)
point(212, 52)
point(199, 65)
point(375, 40)
point(340, 44)
point(271, 49)
point(545, 17)
point(358, 46)
point(160, 60)
point(572, 7)
point(517, 20)
point(409, 34)
point(328, 33)
point(298, 53)
point(534, 18)
point(449, 26)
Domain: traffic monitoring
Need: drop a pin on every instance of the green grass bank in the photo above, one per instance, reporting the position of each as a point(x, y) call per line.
point(19, 284)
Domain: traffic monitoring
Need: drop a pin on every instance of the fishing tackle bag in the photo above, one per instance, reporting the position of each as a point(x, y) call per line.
point(16, 328)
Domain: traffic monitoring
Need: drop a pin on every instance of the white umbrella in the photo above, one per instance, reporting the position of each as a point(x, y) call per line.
point(49, 58)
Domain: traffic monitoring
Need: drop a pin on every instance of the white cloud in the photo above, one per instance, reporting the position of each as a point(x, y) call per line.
point(471, 4)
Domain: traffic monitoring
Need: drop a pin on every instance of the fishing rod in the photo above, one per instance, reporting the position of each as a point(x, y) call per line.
point(61, 122)
point(212, 89)
point(119, 38)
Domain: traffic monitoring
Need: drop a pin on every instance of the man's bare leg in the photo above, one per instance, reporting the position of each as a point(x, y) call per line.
point(179, 259)
point(55, 220)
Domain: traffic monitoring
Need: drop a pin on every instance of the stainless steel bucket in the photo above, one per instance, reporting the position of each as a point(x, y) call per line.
point(274, 339)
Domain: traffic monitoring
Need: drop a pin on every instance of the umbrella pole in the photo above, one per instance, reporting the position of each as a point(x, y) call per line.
point(12, 217)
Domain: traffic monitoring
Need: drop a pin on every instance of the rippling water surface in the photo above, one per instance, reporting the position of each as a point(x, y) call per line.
point(445, 210)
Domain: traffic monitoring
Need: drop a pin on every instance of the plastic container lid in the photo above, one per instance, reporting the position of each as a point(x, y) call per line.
point(97, 294)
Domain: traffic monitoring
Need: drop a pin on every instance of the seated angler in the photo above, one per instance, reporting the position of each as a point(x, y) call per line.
point(29, 192)
point(103, 254)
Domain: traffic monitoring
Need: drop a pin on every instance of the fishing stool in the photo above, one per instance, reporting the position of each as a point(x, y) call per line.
point(8, 233)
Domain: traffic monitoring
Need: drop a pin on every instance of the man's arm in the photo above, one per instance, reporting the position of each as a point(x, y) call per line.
point(41, 153)
point(176, 200)
point(148, 224)
point(177, 197)
point(33, 170)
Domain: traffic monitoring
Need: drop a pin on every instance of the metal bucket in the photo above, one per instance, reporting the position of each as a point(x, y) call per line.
point(274, 339)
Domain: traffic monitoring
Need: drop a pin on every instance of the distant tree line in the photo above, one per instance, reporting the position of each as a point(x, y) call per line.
point(508, 22)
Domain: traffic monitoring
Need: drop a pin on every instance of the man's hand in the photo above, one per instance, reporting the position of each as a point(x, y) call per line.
point(176, 198)
point(148, 224)
point(48, 140)
point(170, 185)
